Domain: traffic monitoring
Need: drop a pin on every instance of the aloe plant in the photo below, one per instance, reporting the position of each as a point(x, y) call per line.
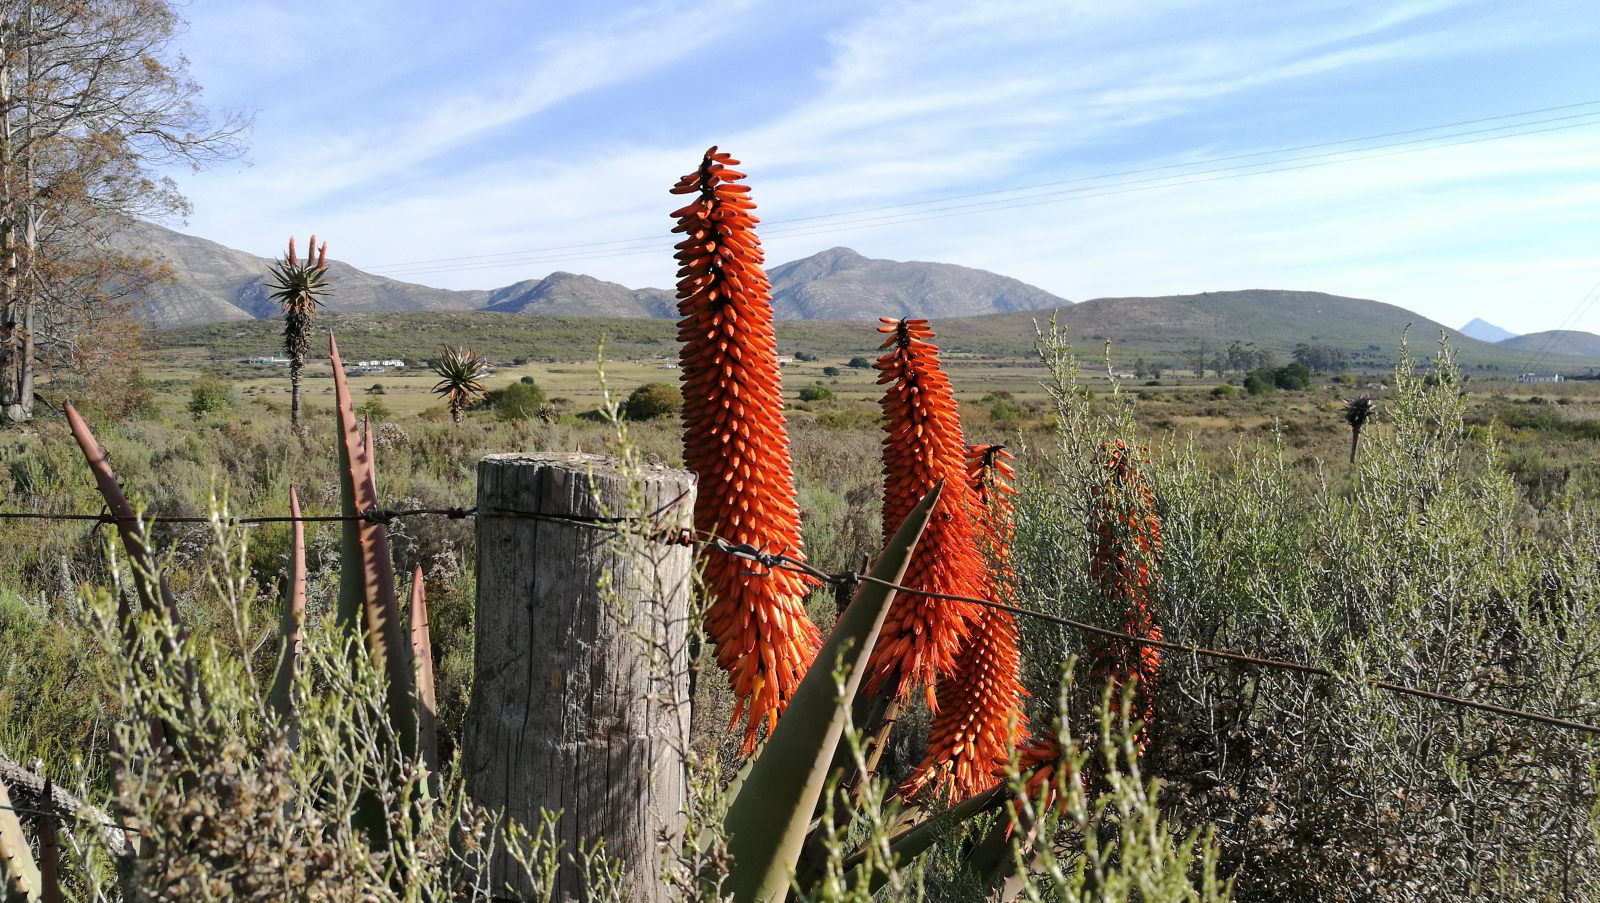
point(459, 371)
point(367, 603)
point(298, 286)
point(157, 594)
point(422, 655)
point(1356, 413)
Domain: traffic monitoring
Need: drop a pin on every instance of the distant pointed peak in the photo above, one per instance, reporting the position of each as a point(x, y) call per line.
point(1484, 331)
point(840, 254)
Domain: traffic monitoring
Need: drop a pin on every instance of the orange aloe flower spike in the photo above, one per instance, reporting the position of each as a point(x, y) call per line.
point(922, 446)
point(1126, 537)
point(980, 718)
point(735, 441)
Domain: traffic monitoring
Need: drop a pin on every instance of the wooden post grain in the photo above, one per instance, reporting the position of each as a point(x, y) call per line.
point(581, 690)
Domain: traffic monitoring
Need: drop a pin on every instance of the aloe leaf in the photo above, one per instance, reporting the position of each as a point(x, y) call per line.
point(19, 876)
point(916, 841)
point(422, 655)
point(366, 576)
point(128, 527)
point(768, 820)
point(292, 622)
point(157, 598)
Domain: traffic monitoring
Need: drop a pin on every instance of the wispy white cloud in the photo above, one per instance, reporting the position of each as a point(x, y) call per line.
point(919, 99)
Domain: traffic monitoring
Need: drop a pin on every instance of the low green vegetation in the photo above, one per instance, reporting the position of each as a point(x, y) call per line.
point(1455, 555)
point(653, 400)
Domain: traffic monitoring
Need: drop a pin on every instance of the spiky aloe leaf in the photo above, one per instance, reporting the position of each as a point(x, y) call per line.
point(19, 876)
point(157, 598)
point(422, 655)
point(768, 820)
point(916, 841)
point(133, 538)
point(367, 601)
point(294, 616)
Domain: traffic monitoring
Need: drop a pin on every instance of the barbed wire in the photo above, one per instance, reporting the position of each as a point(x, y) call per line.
point(370, 515)
point(771, 561)
point(51, 813)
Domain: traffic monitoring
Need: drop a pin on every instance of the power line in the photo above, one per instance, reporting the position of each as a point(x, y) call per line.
point(1017, 188)
point(1089, 192)
point(1574, 316)
point(629, 247)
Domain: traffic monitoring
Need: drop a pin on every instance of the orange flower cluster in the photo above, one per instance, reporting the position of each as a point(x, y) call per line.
point(1127, 548)
point(980, 717)
point(736, 444)
point(921, 635)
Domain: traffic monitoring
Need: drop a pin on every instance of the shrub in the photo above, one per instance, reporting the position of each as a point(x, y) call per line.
point(1331, 790)
point(830, 371)
point(859, 363)
point(653, 400)
point(374, 410)
point(1005, 412)
point(1294, 376)
point(376, 389)
point(805, 356)
point(518, 401)
point(1222, 391)
point(816, 392)
point(211, 394)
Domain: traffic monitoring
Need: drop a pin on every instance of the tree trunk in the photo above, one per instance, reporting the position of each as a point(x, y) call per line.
point(580, 698)
point(295, 366)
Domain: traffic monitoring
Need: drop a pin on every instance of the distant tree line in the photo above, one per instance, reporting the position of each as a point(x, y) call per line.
point(1244, 358)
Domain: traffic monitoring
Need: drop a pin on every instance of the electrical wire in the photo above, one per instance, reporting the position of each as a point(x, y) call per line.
point(777, 228)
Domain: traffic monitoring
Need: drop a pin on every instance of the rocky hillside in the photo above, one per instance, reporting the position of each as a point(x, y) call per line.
point(215, 284)
point(1554, 341)
point(839, 284)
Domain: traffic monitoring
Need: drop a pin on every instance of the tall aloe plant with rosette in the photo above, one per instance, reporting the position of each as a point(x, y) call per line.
point(298, 285)
point(735, 442)
point(460, 371)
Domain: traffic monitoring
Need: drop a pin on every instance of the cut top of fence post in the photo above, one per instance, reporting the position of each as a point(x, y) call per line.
point(580, 697)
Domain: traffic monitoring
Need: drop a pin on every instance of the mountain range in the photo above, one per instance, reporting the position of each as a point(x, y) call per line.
point(213, 283)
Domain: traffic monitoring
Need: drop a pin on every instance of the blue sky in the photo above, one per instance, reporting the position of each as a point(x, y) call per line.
point(419, 138)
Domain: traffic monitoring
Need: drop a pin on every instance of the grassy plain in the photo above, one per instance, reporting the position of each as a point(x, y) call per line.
point(997, 373)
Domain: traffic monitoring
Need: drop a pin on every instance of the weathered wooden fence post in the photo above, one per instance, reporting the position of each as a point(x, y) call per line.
point(581, 695)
